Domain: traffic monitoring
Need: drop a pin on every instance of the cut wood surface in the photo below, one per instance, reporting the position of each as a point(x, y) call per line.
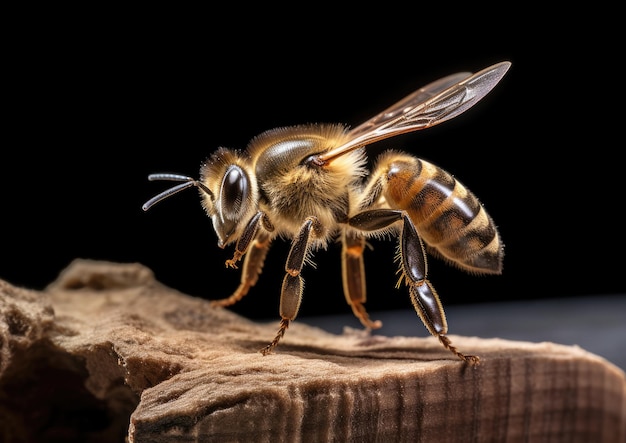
point(107, 353)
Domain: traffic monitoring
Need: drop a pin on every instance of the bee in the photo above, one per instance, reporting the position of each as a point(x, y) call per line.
point(310, 184)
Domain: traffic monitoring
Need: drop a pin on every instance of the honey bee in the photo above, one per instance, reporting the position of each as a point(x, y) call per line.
point(310, 184)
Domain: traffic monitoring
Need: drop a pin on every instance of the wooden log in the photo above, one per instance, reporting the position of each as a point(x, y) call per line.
point(107, 353)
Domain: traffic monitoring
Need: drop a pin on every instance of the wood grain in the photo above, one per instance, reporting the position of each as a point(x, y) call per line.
point(107, 353)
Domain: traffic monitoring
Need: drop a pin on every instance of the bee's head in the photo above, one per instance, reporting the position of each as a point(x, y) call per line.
point(227, 190)
point(232, 200)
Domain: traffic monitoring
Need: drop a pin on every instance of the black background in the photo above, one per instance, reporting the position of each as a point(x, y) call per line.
point(97, 100)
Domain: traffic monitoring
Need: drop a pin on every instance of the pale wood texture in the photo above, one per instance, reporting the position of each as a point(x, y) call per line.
point(106, 353)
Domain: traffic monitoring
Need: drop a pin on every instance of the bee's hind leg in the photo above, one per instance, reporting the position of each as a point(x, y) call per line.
point(413, 267)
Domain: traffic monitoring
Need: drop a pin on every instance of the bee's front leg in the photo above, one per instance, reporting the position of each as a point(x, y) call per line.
point(252, 266)
point(293, 284)
point(254, 244)
point(248, 234)
point(413, 266)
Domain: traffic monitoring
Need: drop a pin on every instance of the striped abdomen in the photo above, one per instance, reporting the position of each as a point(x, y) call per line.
point(448, 217)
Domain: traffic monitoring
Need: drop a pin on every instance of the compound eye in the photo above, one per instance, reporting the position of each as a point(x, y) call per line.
point(234, 192)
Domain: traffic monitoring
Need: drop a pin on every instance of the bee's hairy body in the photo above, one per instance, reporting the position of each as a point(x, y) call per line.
point(310, 184)
point(292, 189)
point(447, 215)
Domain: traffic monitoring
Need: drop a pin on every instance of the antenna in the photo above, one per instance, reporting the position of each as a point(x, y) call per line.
point(188, 182)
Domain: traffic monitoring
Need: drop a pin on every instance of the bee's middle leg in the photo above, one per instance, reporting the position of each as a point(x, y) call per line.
point(353, 275)
point(293, 284)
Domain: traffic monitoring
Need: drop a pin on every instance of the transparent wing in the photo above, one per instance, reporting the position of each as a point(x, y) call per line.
point(435, 103)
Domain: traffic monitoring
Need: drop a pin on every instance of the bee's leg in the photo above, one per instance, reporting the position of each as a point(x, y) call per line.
point(413, 266)
point(353, 274)
point(252, 266)
point(291, 291)
point(254, 244)
point(249, 233)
